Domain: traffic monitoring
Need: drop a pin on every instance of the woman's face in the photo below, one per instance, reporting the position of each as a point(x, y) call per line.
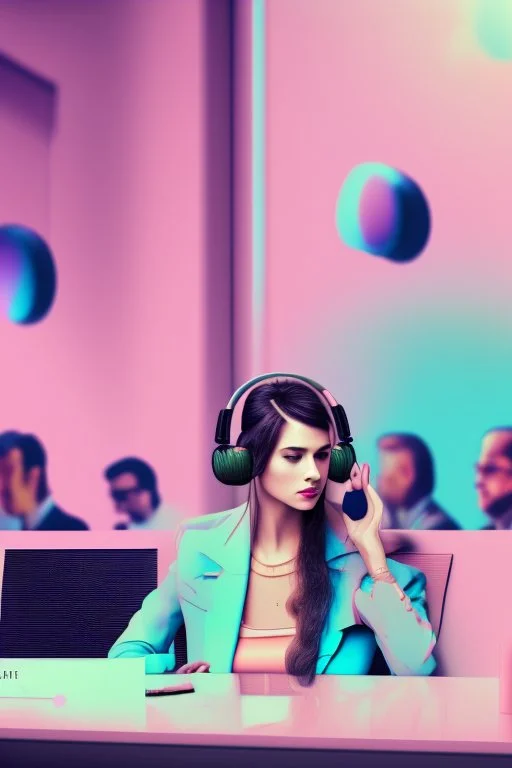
point(296, 472)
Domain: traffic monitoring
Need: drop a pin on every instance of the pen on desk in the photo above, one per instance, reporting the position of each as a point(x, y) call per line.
point(170, 690)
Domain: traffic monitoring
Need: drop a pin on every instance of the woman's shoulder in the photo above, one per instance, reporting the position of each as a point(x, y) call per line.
point(204, 523)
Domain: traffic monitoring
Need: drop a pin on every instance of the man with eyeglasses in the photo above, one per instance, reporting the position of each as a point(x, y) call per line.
point(493, 478)
point(134, 491)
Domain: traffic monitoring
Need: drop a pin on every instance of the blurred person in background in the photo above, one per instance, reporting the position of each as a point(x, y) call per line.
point(406, 485)
point(24, 489)
point(8, 522)
point(493, 478)
point(133, 487)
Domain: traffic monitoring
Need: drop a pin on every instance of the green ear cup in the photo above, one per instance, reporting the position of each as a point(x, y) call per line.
point(232, 466)
point(343, 458)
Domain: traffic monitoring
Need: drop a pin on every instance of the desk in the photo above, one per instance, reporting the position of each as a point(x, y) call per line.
point(249, 719)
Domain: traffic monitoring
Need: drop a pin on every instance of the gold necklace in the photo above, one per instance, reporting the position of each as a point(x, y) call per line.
point(279, 569)
point(276, 565)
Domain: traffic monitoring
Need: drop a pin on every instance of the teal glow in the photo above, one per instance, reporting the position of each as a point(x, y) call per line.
point(24, 295)
point(494, 28)
point(347, 221)
point(447, 379)
point(258, 181)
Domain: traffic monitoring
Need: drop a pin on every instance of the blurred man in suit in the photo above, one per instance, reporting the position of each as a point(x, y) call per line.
point(493, 478)
point(7, 522)
point(134, 490)
point(406, 485)
point(24, 491)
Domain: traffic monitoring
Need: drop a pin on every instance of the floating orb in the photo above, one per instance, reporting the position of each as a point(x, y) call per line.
point(28, 278)
point(383, 212)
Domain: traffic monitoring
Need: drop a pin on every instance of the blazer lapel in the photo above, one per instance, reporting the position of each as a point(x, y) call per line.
point(229, 549)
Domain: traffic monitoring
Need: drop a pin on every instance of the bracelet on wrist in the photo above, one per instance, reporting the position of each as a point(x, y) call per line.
point(383, 575)
point(382, 569)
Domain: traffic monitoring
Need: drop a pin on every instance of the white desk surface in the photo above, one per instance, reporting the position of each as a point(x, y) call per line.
point(437, 714)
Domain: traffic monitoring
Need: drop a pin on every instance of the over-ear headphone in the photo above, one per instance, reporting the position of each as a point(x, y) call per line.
point(233, 465)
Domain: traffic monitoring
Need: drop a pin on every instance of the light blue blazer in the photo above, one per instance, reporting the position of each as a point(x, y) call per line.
point(206, 586)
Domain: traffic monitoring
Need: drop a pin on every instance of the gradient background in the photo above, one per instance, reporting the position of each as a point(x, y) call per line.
point(426, 346)
point(183, 161)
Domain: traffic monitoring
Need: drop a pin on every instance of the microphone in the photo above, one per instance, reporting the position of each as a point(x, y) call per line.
point(355, 505)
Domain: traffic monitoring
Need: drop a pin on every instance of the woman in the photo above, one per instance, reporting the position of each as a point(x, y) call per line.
point(270, 586)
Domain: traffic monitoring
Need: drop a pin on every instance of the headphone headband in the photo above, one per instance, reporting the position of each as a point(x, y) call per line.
point(223, 430)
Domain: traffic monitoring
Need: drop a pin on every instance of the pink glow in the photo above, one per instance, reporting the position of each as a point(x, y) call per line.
point(407, 714)
point(10, 271)
point(120, 195)
point(377, 211)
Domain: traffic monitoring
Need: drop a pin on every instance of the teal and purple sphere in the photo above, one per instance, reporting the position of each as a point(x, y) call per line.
point(28, 279)
point(383, 212)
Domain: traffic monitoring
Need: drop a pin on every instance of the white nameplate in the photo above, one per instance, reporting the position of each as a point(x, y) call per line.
point(85, 691)
point(60, 677)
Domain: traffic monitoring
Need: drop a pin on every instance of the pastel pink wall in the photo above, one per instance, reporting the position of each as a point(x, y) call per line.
point(122, 363)
point(28, 107)
point(243, 197)
point(421, 347)
point(131, 187)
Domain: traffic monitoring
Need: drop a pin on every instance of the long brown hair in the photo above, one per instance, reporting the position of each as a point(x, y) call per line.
point(311, 600)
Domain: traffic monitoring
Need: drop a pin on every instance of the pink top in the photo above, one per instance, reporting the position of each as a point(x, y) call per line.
point(267, 626)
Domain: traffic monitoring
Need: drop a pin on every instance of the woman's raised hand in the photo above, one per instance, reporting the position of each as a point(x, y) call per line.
point(365, 532)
